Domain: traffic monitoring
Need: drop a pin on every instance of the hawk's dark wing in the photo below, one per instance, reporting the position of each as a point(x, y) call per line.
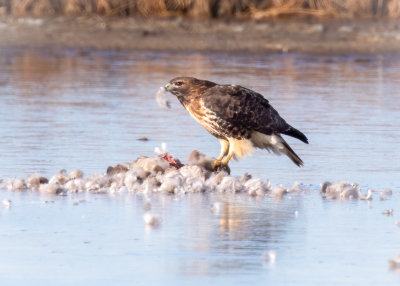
point(247, 109)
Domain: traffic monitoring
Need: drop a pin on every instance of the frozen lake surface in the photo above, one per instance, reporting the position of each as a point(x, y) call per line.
point(69, 109)
point(103, 240)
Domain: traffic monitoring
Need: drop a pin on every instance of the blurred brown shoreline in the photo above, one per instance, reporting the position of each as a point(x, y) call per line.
point(181, 34)
point(251, 26)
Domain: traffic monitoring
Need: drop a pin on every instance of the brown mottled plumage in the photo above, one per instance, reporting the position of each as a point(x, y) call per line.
point(239, 117)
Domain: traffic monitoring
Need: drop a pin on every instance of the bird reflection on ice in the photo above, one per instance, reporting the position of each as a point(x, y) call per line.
point(241, 230)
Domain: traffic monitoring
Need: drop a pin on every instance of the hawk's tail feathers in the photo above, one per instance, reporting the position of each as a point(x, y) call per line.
point(291, 154)
point(291, 131)
point(276, 144)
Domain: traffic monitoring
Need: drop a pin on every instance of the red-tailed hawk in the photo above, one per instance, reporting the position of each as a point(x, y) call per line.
point(239, 117)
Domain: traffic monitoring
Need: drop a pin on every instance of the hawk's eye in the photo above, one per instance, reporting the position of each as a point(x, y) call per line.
point(179, 83)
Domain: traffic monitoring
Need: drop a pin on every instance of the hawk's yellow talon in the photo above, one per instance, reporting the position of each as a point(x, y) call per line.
point(218, 166)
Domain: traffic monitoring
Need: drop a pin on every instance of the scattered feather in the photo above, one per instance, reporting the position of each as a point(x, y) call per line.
point(161, 98)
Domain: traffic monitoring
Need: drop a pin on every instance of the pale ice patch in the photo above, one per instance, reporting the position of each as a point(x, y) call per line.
point(76, 174)
point(164, 174)
point(340, 191)
point(151, 220)
point(13, 184)
point(349, 191)
point(6, 203)
point(388, 212)
point(279, 191)
point(216, 208)
point(268, 257)
point(159, 174)
point(256, 187)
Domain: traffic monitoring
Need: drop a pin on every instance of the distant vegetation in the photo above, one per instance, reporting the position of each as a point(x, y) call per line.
point(203, 9)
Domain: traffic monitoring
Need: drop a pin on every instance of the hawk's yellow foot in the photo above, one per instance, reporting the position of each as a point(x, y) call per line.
point(219, 166)
point(216, 164)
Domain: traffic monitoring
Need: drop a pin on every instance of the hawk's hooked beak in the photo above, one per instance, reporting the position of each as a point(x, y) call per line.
point(168, 86)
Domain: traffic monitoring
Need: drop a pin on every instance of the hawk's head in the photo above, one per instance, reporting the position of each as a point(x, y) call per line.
point(185, 87)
